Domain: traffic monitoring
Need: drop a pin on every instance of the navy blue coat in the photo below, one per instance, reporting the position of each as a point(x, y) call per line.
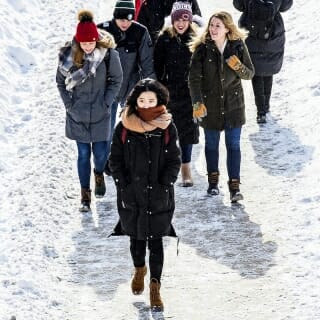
point(266, 54)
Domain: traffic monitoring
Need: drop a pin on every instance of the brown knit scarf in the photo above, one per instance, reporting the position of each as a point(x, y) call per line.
point(133, 122)
point(148, 114)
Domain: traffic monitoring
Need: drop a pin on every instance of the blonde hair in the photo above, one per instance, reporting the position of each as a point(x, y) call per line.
point(234, 33)
point(173, 33)
point(106, 40)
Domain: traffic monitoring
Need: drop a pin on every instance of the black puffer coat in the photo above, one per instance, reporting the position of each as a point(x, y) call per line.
point(214, 83)
point(171, 61)
point(153, 12)
point(144, 169)
point(266, 54)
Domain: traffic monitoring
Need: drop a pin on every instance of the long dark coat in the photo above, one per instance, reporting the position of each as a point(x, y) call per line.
point(88, 106)
point(266, 54)
point(153, 12)
point(171, 62)
point(144, 169)
point(214, 83)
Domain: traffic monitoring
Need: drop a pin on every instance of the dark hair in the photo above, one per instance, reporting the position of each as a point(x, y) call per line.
point(144, 85)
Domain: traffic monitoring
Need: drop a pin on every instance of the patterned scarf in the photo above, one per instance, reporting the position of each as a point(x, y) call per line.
point(135, 123)
point(75, 76)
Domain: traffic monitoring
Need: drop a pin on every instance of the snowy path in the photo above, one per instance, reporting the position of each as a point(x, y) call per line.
point(259, 260)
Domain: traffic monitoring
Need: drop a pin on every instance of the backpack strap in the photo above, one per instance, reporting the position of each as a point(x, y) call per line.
point(166, 136)
point(124, 134)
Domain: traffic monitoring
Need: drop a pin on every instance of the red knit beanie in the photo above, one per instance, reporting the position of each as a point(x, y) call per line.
point(86, 28)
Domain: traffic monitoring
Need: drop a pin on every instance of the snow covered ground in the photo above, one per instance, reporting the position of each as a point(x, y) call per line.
point(257, 261)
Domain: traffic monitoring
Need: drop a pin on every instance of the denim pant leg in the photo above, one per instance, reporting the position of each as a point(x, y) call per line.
point(212, 139)
point(186, 151)
point(114, 109)
point(232, 138)
point(84, 164)
point(100, 155)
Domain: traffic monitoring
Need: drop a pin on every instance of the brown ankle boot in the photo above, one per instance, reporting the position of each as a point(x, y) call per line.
point(155, 299)
point(100, 186)
point(137, 283)
point(234, 189)
point(85, 200)
point(213, 180)
point(186, 175)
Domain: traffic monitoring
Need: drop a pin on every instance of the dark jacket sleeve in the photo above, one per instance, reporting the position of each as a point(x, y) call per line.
point(195, 8)
point(285, 5)
point(65, 95)
point(146, 56)
point(172, 158)
point(195, 75)
point(246, 72)
point(116, 158)
point(114, 77)
point(159, 58)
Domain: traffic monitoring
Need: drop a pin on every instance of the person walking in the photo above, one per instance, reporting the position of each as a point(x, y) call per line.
point(266, 42)
point(219, 61)
point(152, 14)
point(135, 49)
point(171, 60)
point(88, 85)
point(145, 162)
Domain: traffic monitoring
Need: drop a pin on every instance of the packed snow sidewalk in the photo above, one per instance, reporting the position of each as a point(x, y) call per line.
point(257, 260)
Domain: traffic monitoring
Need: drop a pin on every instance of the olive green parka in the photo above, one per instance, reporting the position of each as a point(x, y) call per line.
point(213, 83)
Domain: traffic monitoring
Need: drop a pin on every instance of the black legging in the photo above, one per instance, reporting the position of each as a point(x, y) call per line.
point(138, 254)
point(262, 87)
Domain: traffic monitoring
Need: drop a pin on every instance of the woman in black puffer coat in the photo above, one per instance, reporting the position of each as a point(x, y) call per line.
point(145, 162)
point(152, 14)
point(265, 43)
point(171, 60)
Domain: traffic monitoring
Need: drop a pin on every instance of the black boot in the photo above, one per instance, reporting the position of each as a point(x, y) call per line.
point(213, 179)
point(261, 117)
point(234, 189)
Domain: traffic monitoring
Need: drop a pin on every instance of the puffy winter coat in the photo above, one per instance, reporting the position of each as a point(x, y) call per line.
point(214, 83)
point(88, 105)
point(153, 12)
point(136, 54)
point(266, 54)
point(144, 169)
point(171, 61)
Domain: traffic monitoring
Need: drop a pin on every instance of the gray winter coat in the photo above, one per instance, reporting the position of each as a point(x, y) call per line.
point(136, 54)
point(266, 54)
point(88, 105)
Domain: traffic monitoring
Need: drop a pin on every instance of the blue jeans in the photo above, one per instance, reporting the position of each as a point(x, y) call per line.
point(232, 141)
point(99, 150)
point(186, 151)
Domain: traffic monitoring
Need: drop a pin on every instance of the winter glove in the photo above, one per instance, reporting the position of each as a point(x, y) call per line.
point(199, 111)
point(234, 63)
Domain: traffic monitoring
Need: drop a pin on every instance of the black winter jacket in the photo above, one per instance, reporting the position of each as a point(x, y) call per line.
point(171, 61)
point(153, 12)
point(266, 54)
point(136, 54)
point(144, 169)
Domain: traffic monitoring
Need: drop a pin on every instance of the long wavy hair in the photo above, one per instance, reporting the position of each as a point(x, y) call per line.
point(144, 85)
point(235, 33)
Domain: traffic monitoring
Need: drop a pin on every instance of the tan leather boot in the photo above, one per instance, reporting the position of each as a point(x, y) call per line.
point(85, 200)
point(186, 175)
point(137, 283)
point(234, 188)
point(156, 303)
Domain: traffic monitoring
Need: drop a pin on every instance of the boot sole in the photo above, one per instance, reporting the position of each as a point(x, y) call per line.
point(236, 198)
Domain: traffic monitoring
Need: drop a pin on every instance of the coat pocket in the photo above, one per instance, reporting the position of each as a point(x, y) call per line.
point(127, 197)
point(160, 198)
